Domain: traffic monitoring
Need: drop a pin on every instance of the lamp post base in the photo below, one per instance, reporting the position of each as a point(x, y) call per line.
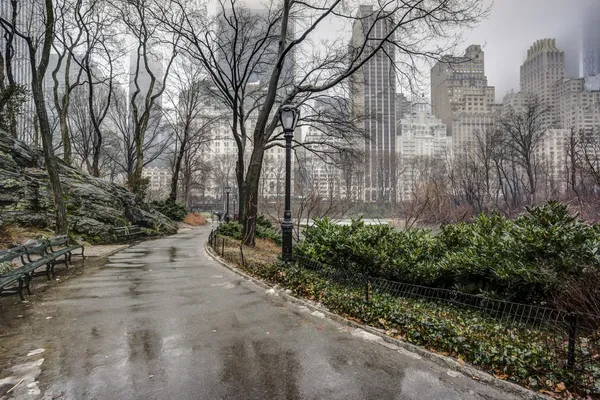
point(286, 249)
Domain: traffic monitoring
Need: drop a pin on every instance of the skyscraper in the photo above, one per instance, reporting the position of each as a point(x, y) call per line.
point(544, 66)
point(373, 96)
point(21, 67)
point(461, 97)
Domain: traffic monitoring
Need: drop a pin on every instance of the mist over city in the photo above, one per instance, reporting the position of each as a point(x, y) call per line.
point(284, 199)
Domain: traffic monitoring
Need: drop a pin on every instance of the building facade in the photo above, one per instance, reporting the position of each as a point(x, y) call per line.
point(159, 182)
point(421, 135)
point(462, 98)
point(543, 68)
point(373, 97)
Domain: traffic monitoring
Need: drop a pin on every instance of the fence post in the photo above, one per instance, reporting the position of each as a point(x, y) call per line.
point(572, 319)
point(367, 289)
point(242, 254)
point(223, 248)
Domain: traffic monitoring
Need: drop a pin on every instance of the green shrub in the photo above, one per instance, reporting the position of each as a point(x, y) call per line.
point(525, 260)
point(231, 229)
point(264, 230)
point(171, 209)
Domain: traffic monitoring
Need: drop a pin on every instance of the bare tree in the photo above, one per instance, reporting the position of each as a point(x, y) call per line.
point(524, 130)
point(123, 132)
point(413, 26)
point(190, 119)
point(67, 39)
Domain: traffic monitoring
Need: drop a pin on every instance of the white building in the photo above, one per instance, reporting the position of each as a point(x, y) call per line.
point(221, 153)
point(420, 135)
point(159, 182)
point(551, 153)
point(577, 104)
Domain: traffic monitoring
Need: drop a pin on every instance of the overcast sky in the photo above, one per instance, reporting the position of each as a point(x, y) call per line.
point(512, 28)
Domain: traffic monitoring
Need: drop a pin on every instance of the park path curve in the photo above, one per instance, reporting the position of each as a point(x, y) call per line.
point(162, 320)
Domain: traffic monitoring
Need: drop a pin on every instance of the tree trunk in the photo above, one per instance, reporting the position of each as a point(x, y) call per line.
point(250, 189)
point(135, 180)
point(239, 176)
point(37, 84)
point(64, 131)
point(176, 169)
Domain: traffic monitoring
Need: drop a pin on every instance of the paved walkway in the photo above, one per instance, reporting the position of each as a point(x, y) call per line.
point(161, 320)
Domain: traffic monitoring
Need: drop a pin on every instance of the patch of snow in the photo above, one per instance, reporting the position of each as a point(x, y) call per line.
point(35, 352)
point(361, 333)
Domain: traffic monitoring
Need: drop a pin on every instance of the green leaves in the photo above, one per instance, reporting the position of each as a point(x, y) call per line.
point(523, 260)
point(264, 230)
point(171, 209)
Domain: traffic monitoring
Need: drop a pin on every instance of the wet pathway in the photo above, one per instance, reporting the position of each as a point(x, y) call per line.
point(161, 320)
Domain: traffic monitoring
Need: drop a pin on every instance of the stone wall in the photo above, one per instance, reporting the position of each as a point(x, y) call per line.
point(94, 207)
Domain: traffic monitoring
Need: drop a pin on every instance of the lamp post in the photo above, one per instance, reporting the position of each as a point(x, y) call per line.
point(234, 208)
point(227, 190)
point(288, 115)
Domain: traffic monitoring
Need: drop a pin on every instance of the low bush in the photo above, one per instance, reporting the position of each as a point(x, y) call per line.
point(232, 229)
point(171, 209)
point(264, 230)
point(528, 259)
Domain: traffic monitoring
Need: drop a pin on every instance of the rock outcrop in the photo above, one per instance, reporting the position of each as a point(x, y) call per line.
point(94, 207)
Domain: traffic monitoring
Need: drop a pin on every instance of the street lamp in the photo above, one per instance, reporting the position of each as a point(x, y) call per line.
point(227, 190)
point(288, 115)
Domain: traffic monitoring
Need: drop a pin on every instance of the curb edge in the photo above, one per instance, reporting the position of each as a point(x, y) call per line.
point(439, 359)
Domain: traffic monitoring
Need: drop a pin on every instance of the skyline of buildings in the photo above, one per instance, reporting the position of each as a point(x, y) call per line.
point(396, 129)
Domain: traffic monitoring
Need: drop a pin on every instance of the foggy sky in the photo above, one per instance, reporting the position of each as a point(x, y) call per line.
point(514, 25)
point(511, 28)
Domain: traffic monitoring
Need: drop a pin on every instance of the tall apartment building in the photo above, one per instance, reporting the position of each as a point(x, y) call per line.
point(577, 104)
point(420, 135)
point(574, 105)
point(373, 97)
point(462, 98)
point(544, 66)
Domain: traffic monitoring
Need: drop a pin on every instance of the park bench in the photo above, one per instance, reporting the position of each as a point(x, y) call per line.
point(61, 245)
point(33, 256)
point(128, 232)
point(16, 276)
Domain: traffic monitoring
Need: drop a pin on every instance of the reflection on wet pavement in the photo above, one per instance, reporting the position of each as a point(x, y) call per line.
point(161, 320)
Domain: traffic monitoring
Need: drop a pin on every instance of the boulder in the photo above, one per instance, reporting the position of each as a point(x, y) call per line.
point(94, 206)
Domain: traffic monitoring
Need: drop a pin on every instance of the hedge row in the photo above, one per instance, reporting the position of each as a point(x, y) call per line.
point(527, 259)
